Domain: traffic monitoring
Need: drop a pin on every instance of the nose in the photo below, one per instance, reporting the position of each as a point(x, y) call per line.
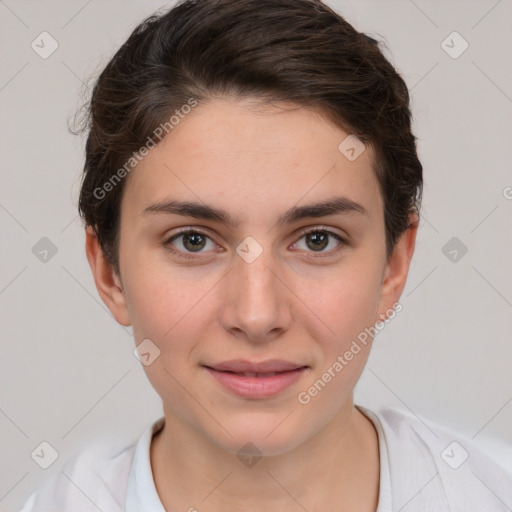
point(256, 301)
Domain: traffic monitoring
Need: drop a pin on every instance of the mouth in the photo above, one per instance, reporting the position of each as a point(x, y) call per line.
point(256, 380)
point(263, 367)
point(252, 374)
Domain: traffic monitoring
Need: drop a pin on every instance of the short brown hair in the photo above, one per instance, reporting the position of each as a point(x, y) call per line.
point(297, 51)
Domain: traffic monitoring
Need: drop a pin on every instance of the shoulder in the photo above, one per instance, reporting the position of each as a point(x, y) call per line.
point(94, 478)
point(431, 463)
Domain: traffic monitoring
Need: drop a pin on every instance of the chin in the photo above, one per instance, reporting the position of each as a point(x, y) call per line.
point(264, 438)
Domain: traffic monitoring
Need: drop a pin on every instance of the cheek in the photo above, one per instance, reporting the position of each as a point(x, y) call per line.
point(162, 307)
point(173, 308)
point(349, 309)
point(348, 306)
point(346, 301)
point(169, 312)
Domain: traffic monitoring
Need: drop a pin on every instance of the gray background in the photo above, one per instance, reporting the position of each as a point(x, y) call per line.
point(68, 373)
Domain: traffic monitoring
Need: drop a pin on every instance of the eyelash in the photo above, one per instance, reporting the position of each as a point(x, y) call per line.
point(317, 229)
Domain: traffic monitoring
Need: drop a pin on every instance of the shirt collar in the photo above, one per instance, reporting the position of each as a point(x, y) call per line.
point(141, 494)
point(385, 490)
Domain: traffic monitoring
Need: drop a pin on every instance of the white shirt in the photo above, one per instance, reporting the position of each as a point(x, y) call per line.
point(423, 468)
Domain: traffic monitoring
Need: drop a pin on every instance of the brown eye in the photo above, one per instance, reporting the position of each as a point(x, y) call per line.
point(189, 241)
point(193, 241)
point(318, 239)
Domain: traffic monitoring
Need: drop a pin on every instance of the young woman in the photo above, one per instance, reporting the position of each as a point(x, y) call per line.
point(251, 198)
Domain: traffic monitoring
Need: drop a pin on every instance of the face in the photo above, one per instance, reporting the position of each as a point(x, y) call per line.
point(249, 277)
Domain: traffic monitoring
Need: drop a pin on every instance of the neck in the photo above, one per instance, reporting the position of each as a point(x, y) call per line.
point(340, 464)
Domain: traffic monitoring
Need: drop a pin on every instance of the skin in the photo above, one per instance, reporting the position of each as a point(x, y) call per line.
point(293, 302)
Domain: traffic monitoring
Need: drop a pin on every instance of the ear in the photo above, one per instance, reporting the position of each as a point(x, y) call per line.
point(397, 268)
point(108, 283)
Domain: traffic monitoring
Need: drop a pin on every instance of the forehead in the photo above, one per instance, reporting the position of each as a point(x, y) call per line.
point(253, 160)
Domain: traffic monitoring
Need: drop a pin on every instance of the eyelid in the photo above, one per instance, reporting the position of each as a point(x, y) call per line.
point(325, 229)
point(342, 241)
point(183, 231)
point(189, 229)
point(304, 231)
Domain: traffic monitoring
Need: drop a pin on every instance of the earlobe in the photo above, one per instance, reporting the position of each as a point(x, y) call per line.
point(397, 267)
point(108, 283)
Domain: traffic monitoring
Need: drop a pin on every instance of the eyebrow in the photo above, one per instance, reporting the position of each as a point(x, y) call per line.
point(338, 205)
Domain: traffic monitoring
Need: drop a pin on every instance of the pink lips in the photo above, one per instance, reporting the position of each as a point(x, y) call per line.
point(256, 380)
